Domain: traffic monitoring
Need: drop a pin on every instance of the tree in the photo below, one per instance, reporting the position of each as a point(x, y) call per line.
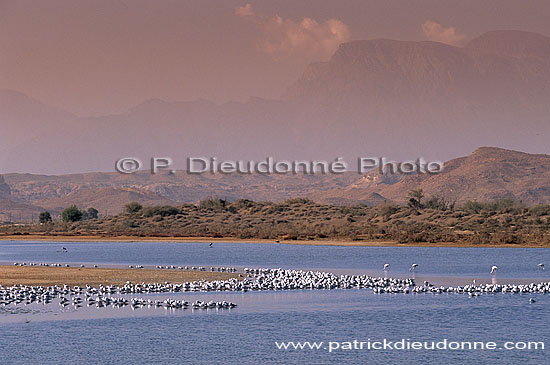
point(440, 203)
point(415, 198)
point(133, 207)
point(71, 214)
point(45, 217)
point(212, 203)
point(92, 213)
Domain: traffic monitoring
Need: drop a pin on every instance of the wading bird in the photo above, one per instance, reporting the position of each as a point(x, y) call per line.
point(413, 267)
point(494, 270)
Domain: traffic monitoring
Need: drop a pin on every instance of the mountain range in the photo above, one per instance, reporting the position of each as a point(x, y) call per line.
point(381, 97)
point(489, 173)
point(387, 98)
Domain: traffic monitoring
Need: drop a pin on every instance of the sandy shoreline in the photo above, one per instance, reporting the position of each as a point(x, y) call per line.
point(60, 238)
point(47, 276)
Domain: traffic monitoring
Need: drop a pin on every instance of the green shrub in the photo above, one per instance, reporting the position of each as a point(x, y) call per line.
point(501, 206)
point(439, 203)
point(415, 199)
point(133, 207)
point(162, 211)
point(44, 217)
point(215, 204)
point(298, 201)
point(540, 210)
point(91, 213)
point(71, 214)
point(387, 210)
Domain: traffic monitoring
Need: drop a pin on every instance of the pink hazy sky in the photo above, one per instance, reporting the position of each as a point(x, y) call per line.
point(105, 56)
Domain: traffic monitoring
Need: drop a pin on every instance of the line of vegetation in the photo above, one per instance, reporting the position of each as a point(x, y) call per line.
point(424, 219)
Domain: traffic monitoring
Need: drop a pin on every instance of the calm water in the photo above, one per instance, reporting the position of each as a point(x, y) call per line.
point(442, 261)
point(246, 334)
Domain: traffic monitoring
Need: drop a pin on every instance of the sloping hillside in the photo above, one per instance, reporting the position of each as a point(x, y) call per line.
point(488, 173)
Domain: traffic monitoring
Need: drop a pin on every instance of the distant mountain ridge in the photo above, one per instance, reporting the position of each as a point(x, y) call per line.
point(109, 192)
point(369, 70)
point(5, 190)
point(488, 173)
point(400, 99)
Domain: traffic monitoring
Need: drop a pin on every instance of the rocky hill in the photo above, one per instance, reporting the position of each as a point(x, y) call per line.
point(488, 173)
point(109, 192)
point(5, 190)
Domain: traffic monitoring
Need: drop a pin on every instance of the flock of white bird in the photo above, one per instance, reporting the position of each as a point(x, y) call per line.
point(257, 279)
point(413, 268)
point(103, 296)
point(167, 267)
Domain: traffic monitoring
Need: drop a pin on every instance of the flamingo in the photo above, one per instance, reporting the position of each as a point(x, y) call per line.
point(494, 270)
point(413, 267)
point(386, 267)
point(541, 266)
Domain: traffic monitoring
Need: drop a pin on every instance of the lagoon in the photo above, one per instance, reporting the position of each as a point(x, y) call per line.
point(248, 333)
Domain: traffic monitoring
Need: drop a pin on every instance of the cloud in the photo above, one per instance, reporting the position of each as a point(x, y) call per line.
point(438, 33)
point(244, 10)
point(306, 37)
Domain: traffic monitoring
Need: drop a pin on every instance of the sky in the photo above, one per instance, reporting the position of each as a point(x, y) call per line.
point(103, 57)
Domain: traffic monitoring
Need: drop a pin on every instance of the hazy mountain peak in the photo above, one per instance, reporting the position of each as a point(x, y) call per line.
point(487, 173)
point(5, 190)
point(488, 150)
point(514, 43)
point(13, 101)
point(381, 96)
point(378, 64)
point(483, 152)
point(369, 45)
point(159, 105)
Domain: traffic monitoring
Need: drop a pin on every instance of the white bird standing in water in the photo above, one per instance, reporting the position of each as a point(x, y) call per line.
point(413, 267)
point(494, 270)
point(386, 267)
point(541, 266)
